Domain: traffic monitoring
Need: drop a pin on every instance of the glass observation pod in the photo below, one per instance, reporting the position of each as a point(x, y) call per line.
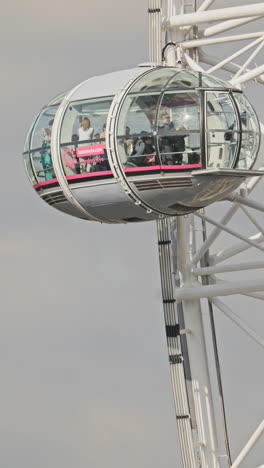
point(140, 144)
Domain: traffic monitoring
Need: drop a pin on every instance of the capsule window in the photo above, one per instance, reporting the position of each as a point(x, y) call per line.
point(222, 130)
point(28, 168)
point(178, 129)
point(82, 139)
point(183, 79)
point(156, 80)
point(40, 152)
point(135, 137)
point(250, 132)
point(209, 81)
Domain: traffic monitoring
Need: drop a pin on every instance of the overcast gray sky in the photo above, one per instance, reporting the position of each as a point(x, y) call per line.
point(83, 359)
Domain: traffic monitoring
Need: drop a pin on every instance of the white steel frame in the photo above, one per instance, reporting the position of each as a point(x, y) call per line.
point(188, 269)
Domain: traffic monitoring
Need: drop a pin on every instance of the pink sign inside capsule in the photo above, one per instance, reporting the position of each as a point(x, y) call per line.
point(84, 151)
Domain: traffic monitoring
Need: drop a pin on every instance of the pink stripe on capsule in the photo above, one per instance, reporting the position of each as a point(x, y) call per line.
point(89, 174)
point(142, 168)
point(45, 182)
point(183, 166)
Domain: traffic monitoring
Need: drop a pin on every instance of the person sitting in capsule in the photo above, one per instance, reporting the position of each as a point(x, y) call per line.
point(144, 152)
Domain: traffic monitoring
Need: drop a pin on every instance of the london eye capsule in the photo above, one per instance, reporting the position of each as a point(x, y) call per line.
point(141, 144)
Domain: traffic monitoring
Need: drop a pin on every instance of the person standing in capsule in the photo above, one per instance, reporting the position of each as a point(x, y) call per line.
point(85, 131)
point(45, 154)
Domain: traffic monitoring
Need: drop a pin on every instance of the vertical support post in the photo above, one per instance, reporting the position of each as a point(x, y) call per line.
point(206, 446)
point(194, 407)
point(155, 42)
point(176, 357)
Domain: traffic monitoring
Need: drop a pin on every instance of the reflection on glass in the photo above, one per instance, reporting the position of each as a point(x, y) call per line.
point(248, 116)
point(45, 121)
point(178, 128)
point(26, 146)
point(154, 81)
point(138, 114)
point(249, 149)
point(135, 130)
point(222, 128)
point(184, 79)
point(28, 168)
point(212, 82)
point(221, 150)
point(221, 112)
point(250, 132)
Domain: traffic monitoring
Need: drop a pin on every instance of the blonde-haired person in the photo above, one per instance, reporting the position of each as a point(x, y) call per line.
point(85, 131)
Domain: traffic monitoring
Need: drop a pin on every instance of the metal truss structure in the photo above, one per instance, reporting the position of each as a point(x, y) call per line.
point(191, 262)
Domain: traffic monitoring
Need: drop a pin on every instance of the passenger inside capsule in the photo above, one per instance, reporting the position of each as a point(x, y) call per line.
point(45, 155)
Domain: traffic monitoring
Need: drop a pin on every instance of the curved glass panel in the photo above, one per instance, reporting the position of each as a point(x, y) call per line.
point(250, 139)
point(222, 130)
point(28, 168)
point(58, 99)
point(44, 122)
point(135, 137)
point(40, 153)
point(248, 116)
point(154, 81)
point(184, 79)
point(82, 138)
point(212, 82)
point(26, 145)
point(178, 129)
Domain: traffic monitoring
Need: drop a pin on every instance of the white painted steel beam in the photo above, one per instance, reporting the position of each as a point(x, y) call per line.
point(236, 54)
point(252, 219)
point(256, 9)
point(238, 321)
point(230, 231)
point(249, 60)
point(212, 270)
point(226, 26)
point(207, 445)
point(227, 217)
point(224, 289)
point(236, 249)
point(251, 184)
point(248, 447)
point(205, 5)
point(236, 198)
point(192, 64)
point(258, 296)
point(219, 40)
point(255, 295)
point(214, 234)
point(229, 67)
point(181, 398)
point(250, 75)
